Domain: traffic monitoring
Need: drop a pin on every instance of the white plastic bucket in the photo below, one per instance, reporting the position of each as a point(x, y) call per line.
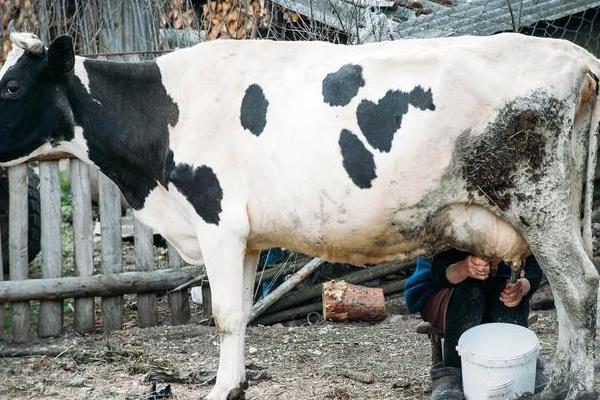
point(498, 361)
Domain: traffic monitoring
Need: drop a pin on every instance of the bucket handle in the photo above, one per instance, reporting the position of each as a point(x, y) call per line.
point(499, 390)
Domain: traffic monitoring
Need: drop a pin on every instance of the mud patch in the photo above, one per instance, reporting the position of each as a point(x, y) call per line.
point(513, 144)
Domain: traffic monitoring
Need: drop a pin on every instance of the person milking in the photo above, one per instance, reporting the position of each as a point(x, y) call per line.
point(455, 291)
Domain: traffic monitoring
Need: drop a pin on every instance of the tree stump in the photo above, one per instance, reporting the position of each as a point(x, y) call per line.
point(346, 302)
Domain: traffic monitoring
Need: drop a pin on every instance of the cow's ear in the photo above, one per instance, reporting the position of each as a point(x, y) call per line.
point(61, 56)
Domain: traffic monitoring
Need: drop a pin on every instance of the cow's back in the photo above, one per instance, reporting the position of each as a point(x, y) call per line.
point(334, 148)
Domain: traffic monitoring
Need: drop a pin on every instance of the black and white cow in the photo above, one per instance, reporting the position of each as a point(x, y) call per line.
point(359, 154)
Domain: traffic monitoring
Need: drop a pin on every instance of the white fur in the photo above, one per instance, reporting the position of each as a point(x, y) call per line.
point(11, 59)
point(27, 41)
point(81, 73)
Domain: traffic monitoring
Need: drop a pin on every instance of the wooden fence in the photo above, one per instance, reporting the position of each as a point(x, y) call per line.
point(52, 288)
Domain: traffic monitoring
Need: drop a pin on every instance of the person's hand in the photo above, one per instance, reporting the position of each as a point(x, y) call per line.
point(513, 293)
point(477, 267)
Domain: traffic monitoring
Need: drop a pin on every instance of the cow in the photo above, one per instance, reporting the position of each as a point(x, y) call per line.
point(357, 154)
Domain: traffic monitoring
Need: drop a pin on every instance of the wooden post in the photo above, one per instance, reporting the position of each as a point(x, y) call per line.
point(178, 301)
point(144, 261)
point(83, 240)
point(206, 300)
point(17, 246)
point(112, 253)
point(51, 312)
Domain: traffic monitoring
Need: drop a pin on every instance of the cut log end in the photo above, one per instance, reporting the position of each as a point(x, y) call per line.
point(346, 302)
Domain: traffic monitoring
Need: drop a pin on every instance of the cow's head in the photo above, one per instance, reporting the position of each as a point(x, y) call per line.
point(34, 111)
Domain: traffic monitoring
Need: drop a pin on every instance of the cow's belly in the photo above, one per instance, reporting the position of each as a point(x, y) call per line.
point(471, 228)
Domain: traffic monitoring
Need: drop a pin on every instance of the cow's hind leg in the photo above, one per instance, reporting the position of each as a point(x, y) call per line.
point(574, 282)
point(231, 270)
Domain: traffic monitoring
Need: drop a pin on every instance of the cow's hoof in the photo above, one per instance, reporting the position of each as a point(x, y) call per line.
point(237, 393)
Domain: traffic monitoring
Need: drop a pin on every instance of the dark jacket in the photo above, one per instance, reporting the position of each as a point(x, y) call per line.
point(430, 276)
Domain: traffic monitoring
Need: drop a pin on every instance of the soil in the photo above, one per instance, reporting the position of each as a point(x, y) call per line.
point(317, 361)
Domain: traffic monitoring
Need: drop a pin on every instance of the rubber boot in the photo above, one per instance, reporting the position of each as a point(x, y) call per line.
point(446, 383)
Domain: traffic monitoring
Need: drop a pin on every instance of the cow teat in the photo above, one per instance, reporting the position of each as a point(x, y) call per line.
point(26, 41)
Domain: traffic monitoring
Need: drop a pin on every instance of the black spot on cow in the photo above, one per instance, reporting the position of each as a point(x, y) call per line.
point(340, 87)
point(511, 148)
point(421, 99)
point(125, 117)
point(201, 188)
point(357, 160)
point(169, 167)
point(380, 121)
point(253, 113)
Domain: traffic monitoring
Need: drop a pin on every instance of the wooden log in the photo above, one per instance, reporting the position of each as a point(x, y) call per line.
point(301, 311)
point(343, 302)
point(83, 240)
point(51, 311)
point(364, 275)
point(285, 287)
point(17, 247)
point(144, 261)
point(112, 255)
point(96, 285)
point(179, 301)
point(291, 313)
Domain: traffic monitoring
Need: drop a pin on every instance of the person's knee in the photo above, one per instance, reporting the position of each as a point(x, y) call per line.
point(470, 294)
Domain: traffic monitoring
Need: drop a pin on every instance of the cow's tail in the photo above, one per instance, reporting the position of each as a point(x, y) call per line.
point(592, 86)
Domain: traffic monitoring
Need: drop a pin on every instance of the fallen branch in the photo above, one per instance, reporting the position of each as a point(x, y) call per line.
point(285, 287)
point(362, 377)
point(286, 315)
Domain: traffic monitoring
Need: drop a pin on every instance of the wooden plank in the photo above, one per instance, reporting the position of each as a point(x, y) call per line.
point(112, 253)
point(59, 155)
point(51, 312)
point(144, 261)
point(95, 285)
point(206, 300)
point(17, 247)
point(179, 302)
point(83, 240)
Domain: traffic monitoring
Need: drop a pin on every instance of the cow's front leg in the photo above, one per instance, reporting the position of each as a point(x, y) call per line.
point(228, 264)
point(574, 282)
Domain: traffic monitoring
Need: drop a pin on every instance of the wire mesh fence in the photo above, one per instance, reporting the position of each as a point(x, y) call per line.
point(156, 25)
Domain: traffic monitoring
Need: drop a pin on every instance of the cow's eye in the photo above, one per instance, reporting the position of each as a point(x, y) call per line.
point(12, 88)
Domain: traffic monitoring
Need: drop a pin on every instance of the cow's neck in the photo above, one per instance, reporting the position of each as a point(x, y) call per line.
point(125, 112)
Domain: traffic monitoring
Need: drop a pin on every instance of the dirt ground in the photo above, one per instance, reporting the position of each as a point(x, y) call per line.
point(302, 362)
